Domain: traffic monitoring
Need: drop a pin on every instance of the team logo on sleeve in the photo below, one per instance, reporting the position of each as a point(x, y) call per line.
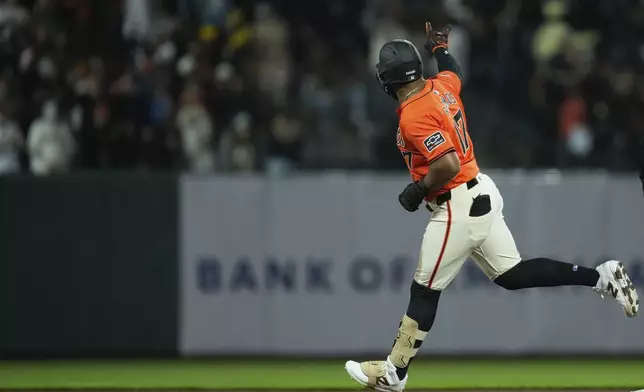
point(433, 141)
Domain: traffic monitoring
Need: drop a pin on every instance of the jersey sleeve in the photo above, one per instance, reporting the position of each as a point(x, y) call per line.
point(450, 80)
point(428, 136)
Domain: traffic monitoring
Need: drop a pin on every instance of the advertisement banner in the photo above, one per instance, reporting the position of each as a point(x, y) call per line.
point(321, 265)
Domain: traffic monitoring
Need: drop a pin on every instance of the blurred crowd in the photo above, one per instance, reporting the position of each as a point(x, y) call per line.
point(549, 83)
point(131, 84)
point(275, 85)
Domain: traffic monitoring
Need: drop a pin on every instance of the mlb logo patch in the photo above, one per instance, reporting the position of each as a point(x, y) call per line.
point(433, 141)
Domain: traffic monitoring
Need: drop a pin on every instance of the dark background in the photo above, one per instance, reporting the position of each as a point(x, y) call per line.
point(88, 266)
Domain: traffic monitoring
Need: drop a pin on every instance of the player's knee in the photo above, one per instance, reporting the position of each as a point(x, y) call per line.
point(423, 305)
point(506, 283)
point(419, 289)
point(511, 279)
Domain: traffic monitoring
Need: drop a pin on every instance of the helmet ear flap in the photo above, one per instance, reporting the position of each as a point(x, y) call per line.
point(387, 88)
point(380, 82)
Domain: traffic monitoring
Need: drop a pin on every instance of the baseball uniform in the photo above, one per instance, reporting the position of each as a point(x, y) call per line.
point(467, 213)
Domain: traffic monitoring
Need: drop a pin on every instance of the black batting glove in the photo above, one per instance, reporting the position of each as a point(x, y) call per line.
point(412, 196)
point(436, 39)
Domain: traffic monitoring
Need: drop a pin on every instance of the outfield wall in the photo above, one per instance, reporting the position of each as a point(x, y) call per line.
point(140, 265)
point(88, 266)
point(322, 266)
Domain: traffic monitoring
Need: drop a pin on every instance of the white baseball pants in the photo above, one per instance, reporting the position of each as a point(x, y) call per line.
point(452, 236)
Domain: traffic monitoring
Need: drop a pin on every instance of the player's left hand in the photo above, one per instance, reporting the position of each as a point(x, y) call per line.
point(412, 196)
point(436, 38)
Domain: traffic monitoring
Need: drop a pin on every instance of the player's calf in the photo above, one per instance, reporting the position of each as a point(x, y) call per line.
point(608, 278)
point(421, 312)
point(543, 272)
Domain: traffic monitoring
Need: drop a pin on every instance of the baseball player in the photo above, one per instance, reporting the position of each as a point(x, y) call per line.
point(467, 208)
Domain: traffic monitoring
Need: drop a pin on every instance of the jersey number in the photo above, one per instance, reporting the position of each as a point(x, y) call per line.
point(407, 156)
point(461, 131)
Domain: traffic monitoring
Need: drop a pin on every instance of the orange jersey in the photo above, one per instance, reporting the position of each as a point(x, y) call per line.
point(432, 124)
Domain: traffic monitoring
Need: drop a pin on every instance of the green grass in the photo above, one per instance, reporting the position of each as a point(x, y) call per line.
point(437, 374)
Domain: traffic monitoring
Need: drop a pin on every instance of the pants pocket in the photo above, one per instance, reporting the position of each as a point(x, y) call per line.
point(481, 206)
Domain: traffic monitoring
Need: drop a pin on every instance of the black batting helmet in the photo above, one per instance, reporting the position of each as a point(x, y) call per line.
point(399, 64)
